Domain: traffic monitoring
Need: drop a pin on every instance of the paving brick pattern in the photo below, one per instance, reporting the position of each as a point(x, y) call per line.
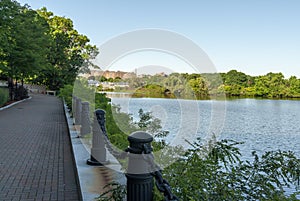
point(36, 161)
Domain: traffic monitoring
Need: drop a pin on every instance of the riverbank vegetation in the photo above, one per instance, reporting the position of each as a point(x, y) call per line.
point(211, 85)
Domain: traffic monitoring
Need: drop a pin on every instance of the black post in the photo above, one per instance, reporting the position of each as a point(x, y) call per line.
point(98, 150)
point(139, 178)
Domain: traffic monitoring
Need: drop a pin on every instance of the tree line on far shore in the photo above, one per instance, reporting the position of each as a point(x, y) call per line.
point(207, 85)
point(39, 47)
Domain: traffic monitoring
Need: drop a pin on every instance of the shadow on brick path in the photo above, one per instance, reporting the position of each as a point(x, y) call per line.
point(36, 161)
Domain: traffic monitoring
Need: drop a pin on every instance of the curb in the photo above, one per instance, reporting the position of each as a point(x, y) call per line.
point(91, 179)
point(79, 153)
point(15, 103)
point(65, 109)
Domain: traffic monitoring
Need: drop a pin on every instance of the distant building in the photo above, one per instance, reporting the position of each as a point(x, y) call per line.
point(93, 83)
point(163, 74)
point(110, 74)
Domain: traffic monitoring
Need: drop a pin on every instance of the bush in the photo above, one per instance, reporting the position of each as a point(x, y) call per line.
point(66, 94)
point(218, 173)
point(4, 96)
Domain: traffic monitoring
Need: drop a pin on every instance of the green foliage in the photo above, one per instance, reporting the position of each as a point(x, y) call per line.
point(66, 93)
point(271, 85)
point(207, 85)
point(41, 48)
point(117, 132)
point(294, 87)
point(24, 43)
point(221, 175)
point(120, 125)
point(151, 90)
point(199, 87)
point(115, 192)
point(4, 95)
point(79, 89)
point(147, 122)
point(70, 52)
point(234, 77)
point(83, 91)
point(216, 172)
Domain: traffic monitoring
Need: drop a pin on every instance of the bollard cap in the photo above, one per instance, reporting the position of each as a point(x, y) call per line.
point(140, 137)
point(100, 112)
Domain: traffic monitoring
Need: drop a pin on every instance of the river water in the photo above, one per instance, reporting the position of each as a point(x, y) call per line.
point(262, 124)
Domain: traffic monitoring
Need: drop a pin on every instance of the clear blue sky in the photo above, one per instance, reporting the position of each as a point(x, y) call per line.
point(252, 36)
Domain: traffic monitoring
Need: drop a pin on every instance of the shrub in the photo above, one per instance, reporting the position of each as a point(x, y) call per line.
point(4, 95)
point(66, 94)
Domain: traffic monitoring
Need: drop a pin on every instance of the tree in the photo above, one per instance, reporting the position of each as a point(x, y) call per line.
point(234, 77)
point(9, 11)
point(294, 87)
point(271, 85)
point(32, 43)
point(24, 42)
point(70, 52)
point(199, 87)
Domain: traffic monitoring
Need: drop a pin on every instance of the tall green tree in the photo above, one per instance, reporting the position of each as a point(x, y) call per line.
point(199, 87)
point(70, 52)
point(9, 11)
point(24, 42)
point(234, 77)
point(271, 85)
point(32, 43)
point(294, 87)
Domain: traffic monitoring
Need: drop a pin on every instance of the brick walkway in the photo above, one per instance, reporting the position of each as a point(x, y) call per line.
point(36, 161)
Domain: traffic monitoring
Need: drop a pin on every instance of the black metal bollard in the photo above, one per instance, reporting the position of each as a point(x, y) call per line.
point(85, 119)
point(98, 150)
point(139, 177)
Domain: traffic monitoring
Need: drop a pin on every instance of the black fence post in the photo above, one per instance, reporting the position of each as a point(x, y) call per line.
point(98, 150)
point(139, 177)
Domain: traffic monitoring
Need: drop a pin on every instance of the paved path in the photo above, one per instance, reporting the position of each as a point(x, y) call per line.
point(36, 161)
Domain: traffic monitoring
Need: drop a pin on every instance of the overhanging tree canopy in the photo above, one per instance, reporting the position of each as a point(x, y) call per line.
point(41, 48)
point(70, 52)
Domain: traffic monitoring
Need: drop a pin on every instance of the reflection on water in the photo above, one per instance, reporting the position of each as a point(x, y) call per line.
point(116, 94)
